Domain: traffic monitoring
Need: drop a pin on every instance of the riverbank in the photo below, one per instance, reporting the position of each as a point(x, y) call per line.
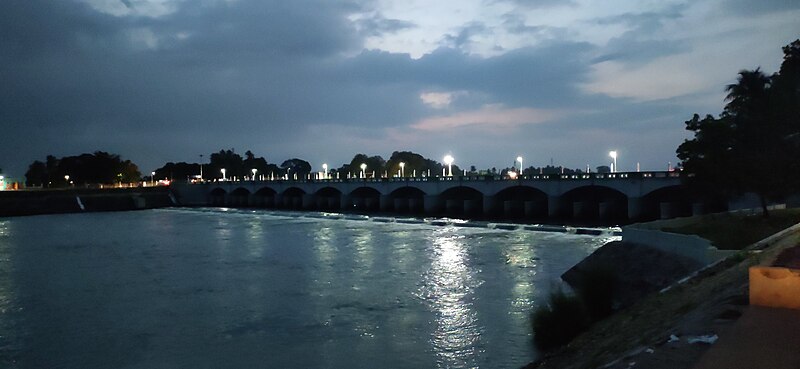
point(76, 200)
point(666, 329)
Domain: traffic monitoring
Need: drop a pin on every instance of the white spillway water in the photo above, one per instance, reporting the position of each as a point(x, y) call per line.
point(210, 288)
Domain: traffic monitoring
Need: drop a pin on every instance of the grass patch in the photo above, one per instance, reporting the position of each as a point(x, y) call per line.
point(558, 322)
point(734, 231)
point(565, 316)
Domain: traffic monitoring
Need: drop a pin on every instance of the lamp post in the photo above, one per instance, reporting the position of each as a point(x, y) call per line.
point(325, 169)
point(201, 167)
point(223, 173)
point(363, 170)
point(519, 159)
point(254, 170)
point(613, 155)
point(448, 159)
point(66, 179)
point(153, 178)
point(402, 169)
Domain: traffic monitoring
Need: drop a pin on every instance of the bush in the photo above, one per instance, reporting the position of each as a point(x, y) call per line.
point(558, 322)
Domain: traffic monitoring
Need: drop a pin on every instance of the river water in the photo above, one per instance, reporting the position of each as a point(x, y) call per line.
point(218, 288)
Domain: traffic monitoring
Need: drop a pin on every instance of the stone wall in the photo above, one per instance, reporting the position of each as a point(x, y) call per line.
point(689, 246)
point(32, 202)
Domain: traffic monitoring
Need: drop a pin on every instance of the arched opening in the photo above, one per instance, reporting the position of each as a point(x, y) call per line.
point(292, 198)
point(328, 198)
point(594, 203)
point(365, 199)
point(521, 202)
point(462, 200)
point(407, 200)
point(264, 197)
point(674, 201)
point(239, 198)
point(217, 197)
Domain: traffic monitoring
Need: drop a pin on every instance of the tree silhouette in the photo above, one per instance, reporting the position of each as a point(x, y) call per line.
point(85, 169)
point(754, 144)
point(296, 166)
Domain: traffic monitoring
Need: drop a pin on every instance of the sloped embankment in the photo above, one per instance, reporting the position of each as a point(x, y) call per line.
point(640, 335)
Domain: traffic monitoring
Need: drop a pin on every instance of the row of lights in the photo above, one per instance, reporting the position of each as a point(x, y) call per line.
point(448, 160)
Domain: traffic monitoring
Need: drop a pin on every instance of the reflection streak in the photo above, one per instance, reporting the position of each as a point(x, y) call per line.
point(447, 288)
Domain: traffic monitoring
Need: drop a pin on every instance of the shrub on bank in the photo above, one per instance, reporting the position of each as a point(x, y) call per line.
point(559, 321)
point(565, 316)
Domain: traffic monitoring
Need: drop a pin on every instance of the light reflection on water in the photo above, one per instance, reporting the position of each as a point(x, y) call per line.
point(206, 288)
point(446, 288)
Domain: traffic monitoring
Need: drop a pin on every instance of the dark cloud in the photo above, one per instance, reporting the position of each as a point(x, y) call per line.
point(514, 23)
point(463, 38)
point(539, 4)
point(747, 7)
point(645, 22)
point(645, 40)
point(285, 79)
point(377, 25)
point(246, 74)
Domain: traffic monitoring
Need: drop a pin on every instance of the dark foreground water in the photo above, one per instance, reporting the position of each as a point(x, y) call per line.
point(238, 289)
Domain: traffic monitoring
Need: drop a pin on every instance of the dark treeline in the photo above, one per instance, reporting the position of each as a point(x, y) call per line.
point(754, 144)
point(97, 168)
point(237, 166)
point(104, 168)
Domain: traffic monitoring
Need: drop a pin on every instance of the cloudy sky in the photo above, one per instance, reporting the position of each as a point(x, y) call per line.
point(485, 80)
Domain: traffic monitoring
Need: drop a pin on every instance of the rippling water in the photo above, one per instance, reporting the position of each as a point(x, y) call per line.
point(210, 288)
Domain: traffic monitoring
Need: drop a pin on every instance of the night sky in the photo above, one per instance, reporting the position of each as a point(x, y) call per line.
point(486, 80)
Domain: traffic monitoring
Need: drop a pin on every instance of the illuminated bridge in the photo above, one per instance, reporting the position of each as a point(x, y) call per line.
point(618, 197)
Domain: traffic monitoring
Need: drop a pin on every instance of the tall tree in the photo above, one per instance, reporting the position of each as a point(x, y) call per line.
point(36, 174)
point(228, 160)
point(374, 164)
point(751, 147)
point(296, 166)
point(97, 168)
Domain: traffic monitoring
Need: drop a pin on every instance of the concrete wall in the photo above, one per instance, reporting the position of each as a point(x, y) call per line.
point(690, 246)
point(13, 203)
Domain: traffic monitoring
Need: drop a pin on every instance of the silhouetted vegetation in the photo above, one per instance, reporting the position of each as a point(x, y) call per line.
point(559, 321)
point(414, 165)
point(298, 167)
point(754, 144)
point(565, 316)
point(98, 168)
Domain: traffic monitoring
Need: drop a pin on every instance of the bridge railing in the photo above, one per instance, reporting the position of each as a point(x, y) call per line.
point(473, 178)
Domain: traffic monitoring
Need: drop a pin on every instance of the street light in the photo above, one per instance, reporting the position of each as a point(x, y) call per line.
point(519, 159)
point(363, 170)
point(613, 155)
point(402, 169)
point(325, 169)
point(223, 173)
point(254, 170)
point(448, 159)
point(153, 178)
